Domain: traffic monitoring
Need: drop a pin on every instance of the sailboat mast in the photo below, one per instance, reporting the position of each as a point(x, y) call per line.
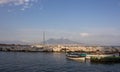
point(43, 38)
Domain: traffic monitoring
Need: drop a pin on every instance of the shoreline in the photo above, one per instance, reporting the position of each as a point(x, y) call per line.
point(60, 48)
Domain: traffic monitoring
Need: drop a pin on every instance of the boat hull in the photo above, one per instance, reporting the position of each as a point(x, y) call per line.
point(77, 58)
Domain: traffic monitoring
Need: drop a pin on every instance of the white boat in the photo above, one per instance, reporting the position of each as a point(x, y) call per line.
point(76, 56)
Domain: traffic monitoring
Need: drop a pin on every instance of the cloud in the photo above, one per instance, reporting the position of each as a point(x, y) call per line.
point(24, 3)
point(84, 34)
point(4, 1)
point(16, 2)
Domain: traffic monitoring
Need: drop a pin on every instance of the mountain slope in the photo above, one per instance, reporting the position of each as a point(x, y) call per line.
point(60, 41)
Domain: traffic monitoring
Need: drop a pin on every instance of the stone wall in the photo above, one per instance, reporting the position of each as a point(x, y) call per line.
point(61, 48)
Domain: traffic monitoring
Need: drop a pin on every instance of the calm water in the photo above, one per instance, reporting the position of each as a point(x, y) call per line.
point(48, 62)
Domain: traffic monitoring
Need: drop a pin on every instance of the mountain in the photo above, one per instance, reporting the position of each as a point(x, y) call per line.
point(49, 41)
point(60, 41)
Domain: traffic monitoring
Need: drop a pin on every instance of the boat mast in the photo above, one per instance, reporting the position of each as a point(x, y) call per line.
point(43, 39)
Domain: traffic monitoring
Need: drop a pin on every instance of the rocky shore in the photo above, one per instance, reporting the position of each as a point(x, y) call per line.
point(59, 48)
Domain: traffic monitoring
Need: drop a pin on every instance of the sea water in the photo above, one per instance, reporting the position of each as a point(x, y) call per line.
point(48, 62)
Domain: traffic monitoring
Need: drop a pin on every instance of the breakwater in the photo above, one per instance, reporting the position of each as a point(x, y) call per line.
point(60, 48)
point(105, 59)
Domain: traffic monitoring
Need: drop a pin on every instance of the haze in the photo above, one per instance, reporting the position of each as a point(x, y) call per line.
point(85, 21)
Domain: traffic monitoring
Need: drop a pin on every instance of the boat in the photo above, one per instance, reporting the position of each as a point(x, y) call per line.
point(76, 56)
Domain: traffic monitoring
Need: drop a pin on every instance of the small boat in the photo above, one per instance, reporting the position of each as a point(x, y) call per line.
point(76, 56)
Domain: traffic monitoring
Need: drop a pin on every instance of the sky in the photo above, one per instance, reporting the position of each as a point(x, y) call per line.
point(85, 21)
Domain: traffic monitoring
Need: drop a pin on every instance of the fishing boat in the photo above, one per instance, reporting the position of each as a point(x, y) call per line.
point(76, 56)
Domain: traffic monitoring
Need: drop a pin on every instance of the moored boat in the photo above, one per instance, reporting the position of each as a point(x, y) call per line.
point(76, 56)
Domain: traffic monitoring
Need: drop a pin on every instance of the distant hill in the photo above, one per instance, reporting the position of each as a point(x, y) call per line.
point(13, 42)
point(60, 41)
point(49, 41)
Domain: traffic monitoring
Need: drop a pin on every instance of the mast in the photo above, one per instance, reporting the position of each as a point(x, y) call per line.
point(43, 39)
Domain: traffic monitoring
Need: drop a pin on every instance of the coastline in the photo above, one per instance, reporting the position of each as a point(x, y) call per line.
point(59, 48)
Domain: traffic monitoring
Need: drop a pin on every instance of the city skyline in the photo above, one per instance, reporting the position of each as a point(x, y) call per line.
point(85, 21)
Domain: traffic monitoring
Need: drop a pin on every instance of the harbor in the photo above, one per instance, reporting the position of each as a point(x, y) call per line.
point(73, 52)
point(59, 35)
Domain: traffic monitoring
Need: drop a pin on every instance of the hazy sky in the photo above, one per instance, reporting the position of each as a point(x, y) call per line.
point(86, 21)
